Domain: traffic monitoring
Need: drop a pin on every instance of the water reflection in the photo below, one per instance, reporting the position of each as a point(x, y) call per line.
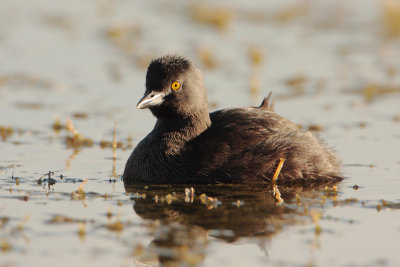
point(182, 224)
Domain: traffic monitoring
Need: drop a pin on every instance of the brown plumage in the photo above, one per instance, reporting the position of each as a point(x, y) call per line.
point(266, 105)
point(188, 145)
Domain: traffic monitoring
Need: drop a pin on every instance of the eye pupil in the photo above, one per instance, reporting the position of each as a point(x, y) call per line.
point(176, 85)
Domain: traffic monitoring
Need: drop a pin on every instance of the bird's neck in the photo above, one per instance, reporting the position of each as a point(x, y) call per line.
point(183, 128)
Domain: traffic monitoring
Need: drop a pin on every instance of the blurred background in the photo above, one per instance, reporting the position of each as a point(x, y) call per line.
point(59, 58)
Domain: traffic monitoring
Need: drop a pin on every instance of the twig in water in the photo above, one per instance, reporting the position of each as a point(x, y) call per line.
point(278, 170)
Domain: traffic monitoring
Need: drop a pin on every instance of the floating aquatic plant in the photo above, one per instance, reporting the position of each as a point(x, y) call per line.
point(391, 18)
point(5, 132)
point(207, 58)
point(76, 140)
point(218, 17)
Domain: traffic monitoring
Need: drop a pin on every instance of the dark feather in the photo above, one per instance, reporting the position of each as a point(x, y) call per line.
point(188, 145)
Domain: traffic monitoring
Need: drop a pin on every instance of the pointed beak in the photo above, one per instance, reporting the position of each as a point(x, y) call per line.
point(152, 99)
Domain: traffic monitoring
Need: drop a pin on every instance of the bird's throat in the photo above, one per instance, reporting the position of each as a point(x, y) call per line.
point(184, 128)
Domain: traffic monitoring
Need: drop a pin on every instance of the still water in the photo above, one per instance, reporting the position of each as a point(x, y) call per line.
point(332, 66)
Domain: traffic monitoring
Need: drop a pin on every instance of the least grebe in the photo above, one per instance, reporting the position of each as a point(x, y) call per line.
point(189, 145)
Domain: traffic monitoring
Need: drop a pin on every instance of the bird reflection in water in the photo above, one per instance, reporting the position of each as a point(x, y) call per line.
point(181, 225)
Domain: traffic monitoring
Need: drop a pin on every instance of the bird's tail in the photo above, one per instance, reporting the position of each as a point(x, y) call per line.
point(266, 103)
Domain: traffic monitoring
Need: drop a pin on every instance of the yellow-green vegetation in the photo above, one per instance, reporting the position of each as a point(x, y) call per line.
point(5, 246)
point(388, 205)
point(188, 256)
point(373, 90)
point(218, 17)
point(315, 127)
point(76, 140)
point(207, 57)
point(5, 132)
point(189, 194)
point(138, 251)
point(292, 12)
point(80, 115)
point(26, 80)
point(239, 203)
point(125, 38)
point(60, 219)
point(109, 213)
point(256, 57)
point(316, 215)
point(20, 226)
point(169, 198)
point(81, 230)
point(277, 195)
point(109, 144)
point(29, 105)
point(283, 15)
point(297, 84)
point(79, 194)
point(331, 191)
point(116, 226)
point(210, 202)
point(391, 17)
point(57, 126)
point(3, 222)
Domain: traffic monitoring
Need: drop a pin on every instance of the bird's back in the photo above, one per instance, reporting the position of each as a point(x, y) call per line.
point(246, 144)
point(188, 145)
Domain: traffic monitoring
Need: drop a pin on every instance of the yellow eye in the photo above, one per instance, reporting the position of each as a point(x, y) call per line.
point(175, 86)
